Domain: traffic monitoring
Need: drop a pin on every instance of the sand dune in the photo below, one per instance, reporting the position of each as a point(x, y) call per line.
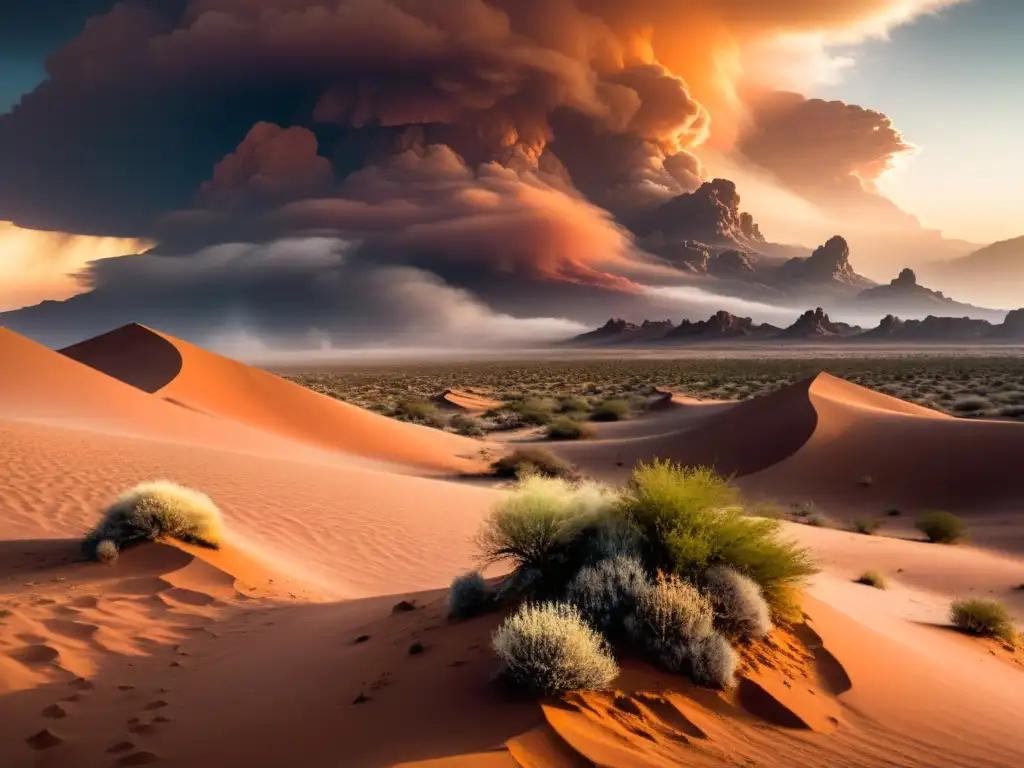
point(465, 402)
point(188, 376)
point(244, 656)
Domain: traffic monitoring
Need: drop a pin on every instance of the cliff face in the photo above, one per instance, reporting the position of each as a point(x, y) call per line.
point(829, 264)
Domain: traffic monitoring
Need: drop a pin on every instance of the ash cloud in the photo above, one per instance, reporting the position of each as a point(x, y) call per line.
point(493, 147)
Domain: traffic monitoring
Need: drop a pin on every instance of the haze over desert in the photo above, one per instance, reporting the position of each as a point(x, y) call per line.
point(511, 384)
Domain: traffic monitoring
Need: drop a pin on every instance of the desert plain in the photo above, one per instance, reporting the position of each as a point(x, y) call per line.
point(318, 633)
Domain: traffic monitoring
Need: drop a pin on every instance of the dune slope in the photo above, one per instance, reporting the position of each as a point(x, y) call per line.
point(188, 376)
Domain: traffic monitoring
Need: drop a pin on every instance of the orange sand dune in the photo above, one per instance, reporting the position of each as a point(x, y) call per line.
point(467, 402)
point(871, 451)
point(833, 442)
point(724, 436)
point(188, 376)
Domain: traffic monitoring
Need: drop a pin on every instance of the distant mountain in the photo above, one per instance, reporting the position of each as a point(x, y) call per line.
point(721, 325)
point(814, 323)
point(905, 295)
point(993, 274)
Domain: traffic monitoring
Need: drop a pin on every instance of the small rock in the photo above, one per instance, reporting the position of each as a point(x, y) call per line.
point(416, 648)
point(55, 712)
point(361, 639)
point(361, 698)
point(403, 606)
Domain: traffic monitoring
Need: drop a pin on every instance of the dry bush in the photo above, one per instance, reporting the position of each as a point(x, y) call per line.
point(155, 510)
point(607, 592)
point(614, 409)
point(941, 527)
point(538, 525)
point(985, 618)
point(866, 525)
point(468, 596)
point(873, 579)
point(549, 649)
point(740, 607)
point(564, 428)
point(533, 461)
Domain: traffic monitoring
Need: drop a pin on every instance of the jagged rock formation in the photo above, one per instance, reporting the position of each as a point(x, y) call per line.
point(830, 263)
point(1012, 327)
point(815, 323)
point(932, 328)
point(618, 331)
point(720, 325)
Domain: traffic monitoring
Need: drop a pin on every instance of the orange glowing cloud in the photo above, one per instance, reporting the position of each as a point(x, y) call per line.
point(36, 266)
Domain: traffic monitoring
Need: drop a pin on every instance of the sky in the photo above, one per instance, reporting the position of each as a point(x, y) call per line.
point(952, 83)
point(423, 163)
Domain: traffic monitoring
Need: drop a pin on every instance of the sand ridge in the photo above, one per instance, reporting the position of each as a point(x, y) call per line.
point(186, 375)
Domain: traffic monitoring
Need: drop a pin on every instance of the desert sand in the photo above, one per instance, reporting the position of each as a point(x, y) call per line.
point(284, 647)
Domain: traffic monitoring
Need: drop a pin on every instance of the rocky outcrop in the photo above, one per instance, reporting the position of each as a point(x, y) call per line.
point(829, 264)
point(1012, 327)
point(721, 325)
point(732, 263)
point(618, 331)
point(815, 323)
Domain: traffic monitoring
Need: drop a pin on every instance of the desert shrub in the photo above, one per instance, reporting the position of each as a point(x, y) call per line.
point(866, 525)
point(419, 412)
point(740, 608)
point(669, 613)
point(538, 526)
point(970, 404)
point(614, 409)
point(712, 661)
point(986, 618)
point(106, 551)
point(156, 510)
point(610, 536)
point(574, 404)
point(468, 596)
point(549, 649)
point(941, 527)
point(530, 460)
point(873, 579)
point(467, 426)
point(690, 520)
point(534, 411)
point(564, 428)
point(606, 593)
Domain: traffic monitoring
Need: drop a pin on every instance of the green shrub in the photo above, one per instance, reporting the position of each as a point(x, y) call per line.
point(155, 510)
point(468, 596)
point(533, 461)
point(690, 520)
point(606, 593)
point(873, 579)
point(564, 428)
point(614, 409)
point(740, 607)
point(574, 404)
point(986, 618)
point(467, 426)
point(419, 412)
point(548, 649)
point(538, 526)
point(941, 527)
point(534, 411)
point(866, 525)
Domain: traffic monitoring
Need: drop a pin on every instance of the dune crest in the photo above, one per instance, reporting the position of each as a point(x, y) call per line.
point(186, 375)
point(466, 402)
